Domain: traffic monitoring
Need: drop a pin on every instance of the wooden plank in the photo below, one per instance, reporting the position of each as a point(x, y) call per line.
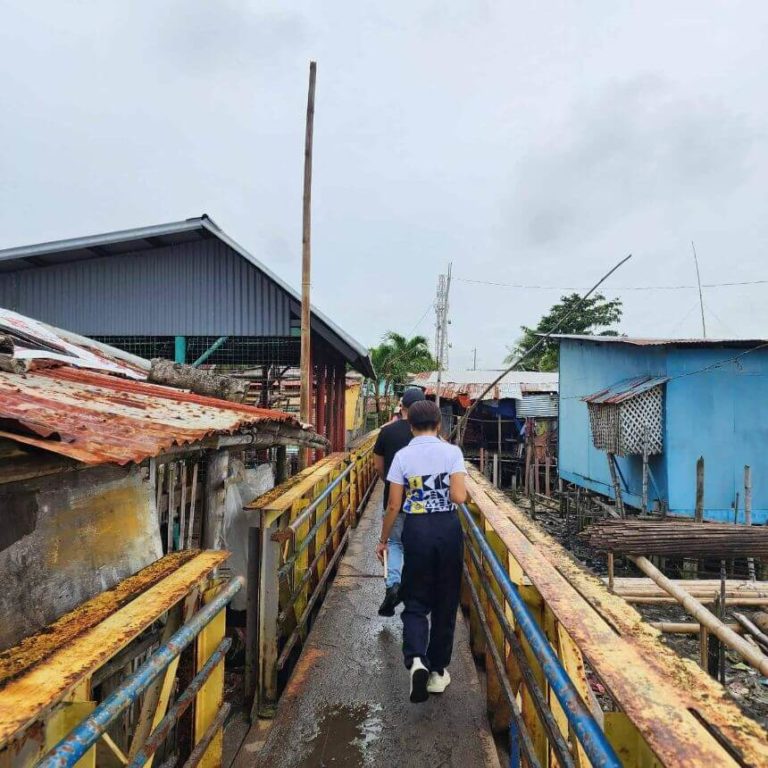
point(658, 689)
point(31, 696)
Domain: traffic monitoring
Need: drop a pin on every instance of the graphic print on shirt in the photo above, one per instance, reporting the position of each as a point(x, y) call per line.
point(428, 493)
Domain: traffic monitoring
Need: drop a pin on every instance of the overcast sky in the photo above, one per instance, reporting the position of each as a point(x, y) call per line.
point(528, 143)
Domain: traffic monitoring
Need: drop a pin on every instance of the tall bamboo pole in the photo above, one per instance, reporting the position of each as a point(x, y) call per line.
point(305, 403)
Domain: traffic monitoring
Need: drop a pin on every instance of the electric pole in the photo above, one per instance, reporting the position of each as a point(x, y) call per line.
point(441, 328)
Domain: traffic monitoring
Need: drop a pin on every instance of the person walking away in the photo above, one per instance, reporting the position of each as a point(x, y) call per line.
point(391, 438)
point(430, 473)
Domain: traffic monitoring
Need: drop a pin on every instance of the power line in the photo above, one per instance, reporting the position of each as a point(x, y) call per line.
point(691, 287)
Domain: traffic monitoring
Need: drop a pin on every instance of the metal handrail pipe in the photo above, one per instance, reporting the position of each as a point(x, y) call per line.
point(308, 571)
point(305, 513)
point(590, 735)
point(289, 564)
point(557, 741)
point(197, 754)
point(180, 706)
point(519, 733)
point(81, 738)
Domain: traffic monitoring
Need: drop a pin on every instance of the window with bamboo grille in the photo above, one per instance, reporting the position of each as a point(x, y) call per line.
point(621, 428)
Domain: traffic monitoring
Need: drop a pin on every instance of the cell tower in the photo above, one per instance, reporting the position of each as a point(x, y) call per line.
point(441, 327)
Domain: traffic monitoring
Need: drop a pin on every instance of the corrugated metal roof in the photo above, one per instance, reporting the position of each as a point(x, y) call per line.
point(36, 343)
point(538, 405)
point(142, 239)
point(642, 342)
point(98, 418)
point(625, 390)
point(471, 384)
point(90, 402)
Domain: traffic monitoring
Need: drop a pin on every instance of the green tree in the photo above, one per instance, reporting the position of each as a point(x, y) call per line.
point(395, 358)
point(593, 318)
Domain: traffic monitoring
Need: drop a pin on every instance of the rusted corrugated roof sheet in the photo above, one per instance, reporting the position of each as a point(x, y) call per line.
point(35, 344)
point(98, 418)
point(625, 390)
point(469, 385)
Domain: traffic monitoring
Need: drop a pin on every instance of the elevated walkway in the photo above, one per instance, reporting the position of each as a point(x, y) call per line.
point(346, 704)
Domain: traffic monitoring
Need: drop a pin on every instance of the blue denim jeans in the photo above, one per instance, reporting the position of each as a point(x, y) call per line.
point(395, 552)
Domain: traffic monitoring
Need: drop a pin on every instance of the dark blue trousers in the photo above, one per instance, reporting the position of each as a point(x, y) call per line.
point(431, 581)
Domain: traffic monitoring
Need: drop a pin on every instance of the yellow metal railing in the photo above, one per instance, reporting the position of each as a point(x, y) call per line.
point(303, 528)
point(655, 709)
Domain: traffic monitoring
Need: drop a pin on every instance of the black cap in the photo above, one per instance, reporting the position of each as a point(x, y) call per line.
point(411, 396)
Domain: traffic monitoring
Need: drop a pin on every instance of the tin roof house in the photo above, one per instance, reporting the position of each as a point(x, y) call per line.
point(636, 414)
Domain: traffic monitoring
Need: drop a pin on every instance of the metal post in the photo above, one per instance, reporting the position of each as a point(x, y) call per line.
point(269, 609)
point(208, 352)
point(306, 258)
point(252, 584)
point(180, 349)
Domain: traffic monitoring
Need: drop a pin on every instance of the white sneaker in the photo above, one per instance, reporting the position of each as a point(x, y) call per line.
point(438, 683)
point(419, 677)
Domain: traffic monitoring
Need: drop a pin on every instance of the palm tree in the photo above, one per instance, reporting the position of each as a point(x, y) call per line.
point(380, 358)
point(395, 358)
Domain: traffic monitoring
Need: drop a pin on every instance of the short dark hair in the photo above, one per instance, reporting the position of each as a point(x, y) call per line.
point(423, 415)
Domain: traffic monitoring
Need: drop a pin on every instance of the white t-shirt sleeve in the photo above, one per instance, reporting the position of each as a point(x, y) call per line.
point(396, 474)
point(457, 462)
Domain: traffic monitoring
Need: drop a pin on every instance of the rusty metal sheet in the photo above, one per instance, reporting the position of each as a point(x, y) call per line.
point(98, 418)
point(470, 385)
point(31, 695)
point(655, 687)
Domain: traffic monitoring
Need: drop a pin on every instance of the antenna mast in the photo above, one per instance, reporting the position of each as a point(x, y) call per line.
point(441, 328)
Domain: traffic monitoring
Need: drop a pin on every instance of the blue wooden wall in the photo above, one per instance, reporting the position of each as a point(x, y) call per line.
point(714, 406)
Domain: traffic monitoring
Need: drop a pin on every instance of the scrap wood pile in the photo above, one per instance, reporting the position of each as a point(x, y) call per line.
point(677, 537)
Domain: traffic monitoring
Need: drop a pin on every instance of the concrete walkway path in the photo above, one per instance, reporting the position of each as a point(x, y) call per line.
point(346, 705)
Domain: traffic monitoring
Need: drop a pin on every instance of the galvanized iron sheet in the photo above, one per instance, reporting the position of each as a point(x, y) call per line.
point(97, 418)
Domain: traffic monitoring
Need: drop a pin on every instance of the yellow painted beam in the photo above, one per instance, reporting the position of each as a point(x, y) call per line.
point(211, 696)
point(31, 696)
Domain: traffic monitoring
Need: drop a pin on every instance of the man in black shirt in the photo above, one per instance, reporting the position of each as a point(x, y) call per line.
point(391, 439)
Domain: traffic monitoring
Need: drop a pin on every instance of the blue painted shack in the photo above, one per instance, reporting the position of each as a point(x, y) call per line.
point(680, 399)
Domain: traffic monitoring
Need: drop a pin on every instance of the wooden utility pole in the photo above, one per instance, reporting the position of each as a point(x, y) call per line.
point(305, 407)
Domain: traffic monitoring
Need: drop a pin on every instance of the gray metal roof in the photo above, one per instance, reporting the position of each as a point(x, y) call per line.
point(124, 242)
point(642, 342)
point(625, 390)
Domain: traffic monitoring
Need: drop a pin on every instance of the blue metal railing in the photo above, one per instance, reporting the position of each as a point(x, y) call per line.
point(81, 738)
point(588, 732)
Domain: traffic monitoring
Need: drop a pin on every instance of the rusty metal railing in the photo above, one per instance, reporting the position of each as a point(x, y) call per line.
point(494, 576)
point(293, 553)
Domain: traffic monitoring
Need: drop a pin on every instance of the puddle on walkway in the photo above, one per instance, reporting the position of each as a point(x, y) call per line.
point(345, 737)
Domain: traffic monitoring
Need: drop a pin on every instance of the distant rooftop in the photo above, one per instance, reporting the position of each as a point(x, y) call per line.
point(470, 384)
point(644, 342)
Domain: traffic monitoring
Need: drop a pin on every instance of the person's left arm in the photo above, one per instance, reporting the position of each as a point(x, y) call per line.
point(458, 487)
point(396, 480)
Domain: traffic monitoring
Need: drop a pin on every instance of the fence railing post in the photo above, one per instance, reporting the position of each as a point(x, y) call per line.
point(269, 609)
